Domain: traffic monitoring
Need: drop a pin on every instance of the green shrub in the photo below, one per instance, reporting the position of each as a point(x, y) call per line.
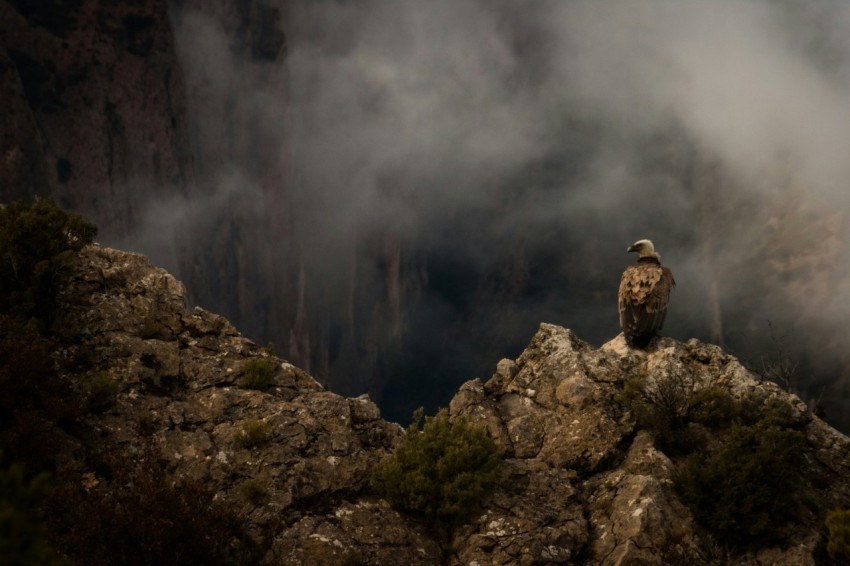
point(838, 525)
point(22, 536)
point(663, 407)
point(35, 398)
point(737, 461)
point(746, 488)
point(253, 433)
point(258, 373)
point(254, 490)
point(680, 416)
point(101, 392)
point(659, 402)
point(139, 515)
point(773, 412)
point(28, 374)
point(440, 471)
point(712, 407)
point(39, 242)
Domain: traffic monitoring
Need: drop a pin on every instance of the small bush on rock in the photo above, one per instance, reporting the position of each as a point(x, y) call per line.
point(23, 539)
point(39, 242)
point(838, 545)
point(665, 408)
point(101, 392)
point(258, 373)
point(253, 433)
point(712, 407)
point(738, 461)
point(746, 488)
point(440, 471)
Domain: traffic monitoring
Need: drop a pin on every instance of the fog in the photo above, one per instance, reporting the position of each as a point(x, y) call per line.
point(524, 145)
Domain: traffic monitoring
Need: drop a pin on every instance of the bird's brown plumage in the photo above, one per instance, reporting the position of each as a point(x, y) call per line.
point(644, 293)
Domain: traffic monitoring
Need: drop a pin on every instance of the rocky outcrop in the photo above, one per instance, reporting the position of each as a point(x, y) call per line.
point(580, 483)
point(178, 373)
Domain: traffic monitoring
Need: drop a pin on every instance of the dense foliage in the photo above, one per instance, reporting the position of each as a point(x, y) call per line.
point(23, 540)
point(669, 407)
point(148, 519)
point(38, 243)
point(440, 471)
point(747, 487)
point(738, 461)
point(258, 373)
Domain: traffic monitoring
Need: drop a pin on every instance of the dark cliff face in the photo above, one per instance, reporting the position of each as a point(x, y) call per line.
point(101, 117)
point(238, 255)
point(97, 109)
point(156, 141)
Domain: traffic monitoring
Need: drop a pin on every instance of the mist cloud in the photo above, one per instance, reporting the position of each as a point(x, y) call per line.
point(566, 130)
point(439, 104)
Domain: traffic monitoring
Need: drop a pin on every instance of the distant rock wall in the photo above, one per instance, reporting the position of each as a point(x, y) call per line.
point(166, 124)
point(104, 113)
point(96, 106)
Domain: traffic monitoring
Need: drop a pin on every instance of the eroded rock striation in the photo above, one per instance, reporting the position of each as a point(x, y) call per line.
point(581, 483)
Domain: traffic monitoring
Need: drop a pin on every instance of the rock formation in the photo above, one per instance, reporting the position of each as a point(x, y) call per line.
point(551, 410)
point(178, 373)
point(580, 482)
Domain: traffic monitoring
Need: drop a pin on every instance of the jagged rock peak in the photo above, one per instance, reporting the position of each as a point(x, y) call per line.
point(583, 484)
point(284, 455)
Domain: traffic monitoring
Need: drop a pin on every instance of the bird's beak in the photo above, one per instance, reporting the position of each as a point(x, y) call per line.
point(631, 249)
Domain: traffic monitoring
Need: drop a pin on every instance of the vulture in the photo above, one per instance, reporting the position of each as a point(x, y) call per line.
point(644, 293)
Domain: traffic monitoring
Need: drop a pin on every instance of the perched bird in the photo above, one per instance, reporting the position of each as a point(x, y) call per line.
point(644, 293)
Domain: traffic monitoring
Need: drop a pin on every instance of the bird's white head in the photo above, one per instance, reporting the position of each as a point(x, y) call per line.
point(644, 248)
